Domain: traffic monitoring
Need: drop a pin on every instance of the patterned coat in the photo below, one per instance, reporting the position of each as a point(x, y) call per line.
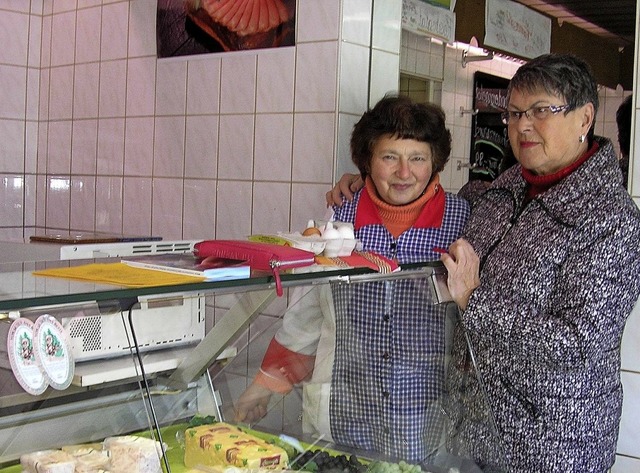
point(559, 276)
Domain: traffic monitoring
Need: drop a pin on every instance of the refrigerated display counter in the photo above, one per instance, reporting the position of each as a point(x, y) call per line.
point(147, 361)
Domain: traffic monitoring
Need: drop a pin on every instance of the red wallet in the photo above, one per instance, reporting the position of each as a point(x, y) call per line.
point(260, 256)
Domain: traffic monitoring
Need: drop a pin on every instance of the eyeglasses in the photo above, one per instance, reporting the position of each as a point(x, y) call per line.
point(533, 113)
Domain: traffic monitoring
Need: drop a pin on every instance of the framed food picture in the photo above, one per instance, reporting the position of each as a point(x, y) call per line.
point(188, 27)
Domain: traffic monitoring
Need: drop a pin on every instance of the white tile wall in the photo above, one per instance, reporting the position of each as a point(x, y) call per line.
point(356, 22)
point(137, 204)
point(13, 91)
point(235, 152)
point(316, 77)
point(102, 136)
point(273, 147)
point(12, 138)
point(138, 146)
point(201, 146)
point(59, 157)
point(203, 87)
point(168, 159)
point(114, 31)
point(386, 27)
point(312, 151)
point(274, 87)
point(141, 86)
point(167, 207)
point(11, 199)
point(87, 28)
point(318, 21)
point(83, 200)
point(14, 36)
point(109, 215)
point(382, 83)
point(238, 83)
point(171, 88)
point(85, 91)
point(110, 155)
point(199, 209)
point(113, 84)
point(354, 73)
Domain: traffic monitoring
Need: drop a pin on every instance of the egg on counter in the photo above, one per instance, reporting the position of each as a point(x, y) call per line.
point(311, 231)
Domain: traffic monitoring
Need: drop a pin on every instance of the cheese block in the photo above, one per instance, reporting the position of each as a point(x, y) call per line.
point(223, 444)
point(90, 457)
point(131, 454)
point(48, 461)
point(82, 448)
point(91, 461)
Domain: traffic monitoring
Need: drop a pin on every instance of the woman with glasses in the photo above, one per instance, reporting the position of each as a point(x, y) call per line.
point(545, 275)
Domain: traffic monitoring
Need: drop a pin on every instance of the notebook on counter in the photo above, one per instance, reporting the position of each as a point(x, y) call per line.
point(211, 268)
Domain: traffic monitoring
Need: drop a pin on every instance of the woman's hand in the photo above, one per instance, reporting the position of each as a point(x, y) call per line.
point(346, 187)
point(463, 266)
point(252, 405)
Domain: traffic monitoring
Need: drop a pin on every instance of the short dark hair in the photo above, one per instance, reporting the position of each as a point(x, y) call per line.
point(564, 75)
point(401, 117)
point(623, 120)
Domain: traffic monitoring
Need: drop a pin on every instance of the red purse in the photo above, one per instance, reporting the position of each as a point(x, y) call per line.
point(260, 256)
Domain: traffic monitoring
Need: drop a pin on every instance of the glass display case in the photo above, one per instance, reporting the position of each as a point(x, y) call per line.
point(147, 361)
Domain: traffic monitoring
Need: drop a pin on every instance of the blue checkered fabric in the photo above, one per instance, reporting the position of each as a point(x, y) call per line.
point(415, 244)
point(388, 372)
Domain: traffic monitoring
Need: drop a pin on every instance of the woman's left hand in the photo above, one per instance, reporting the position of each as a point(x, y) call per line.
point(463, 266)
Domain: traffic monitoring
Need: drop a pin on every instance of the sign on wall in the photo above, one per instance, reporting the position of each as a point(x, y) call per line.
point(490, 150)
point(516, 29)
point(187, 27)
point(422, 18)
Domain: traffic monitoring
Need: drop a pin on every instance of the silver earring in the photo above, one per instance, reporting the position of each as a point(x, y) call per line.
point(581, 139)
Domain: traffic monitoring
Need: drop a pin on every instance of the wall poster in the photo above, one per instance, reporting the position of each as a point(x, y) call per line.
point(516, 29)
point(422, 17)
point(188, 27)
point(490, 150)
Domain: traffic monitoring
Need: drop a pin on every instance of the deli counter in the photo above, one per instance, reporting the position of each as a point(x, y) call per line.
point(148, 361)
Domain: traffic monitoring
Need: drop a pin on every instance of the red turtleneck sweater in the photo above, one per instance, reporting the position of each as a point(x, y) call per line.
point(540, 184)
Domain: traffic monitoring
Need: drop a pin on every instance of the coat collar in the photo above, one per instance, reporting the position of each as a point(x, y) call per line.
point(565, 201)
